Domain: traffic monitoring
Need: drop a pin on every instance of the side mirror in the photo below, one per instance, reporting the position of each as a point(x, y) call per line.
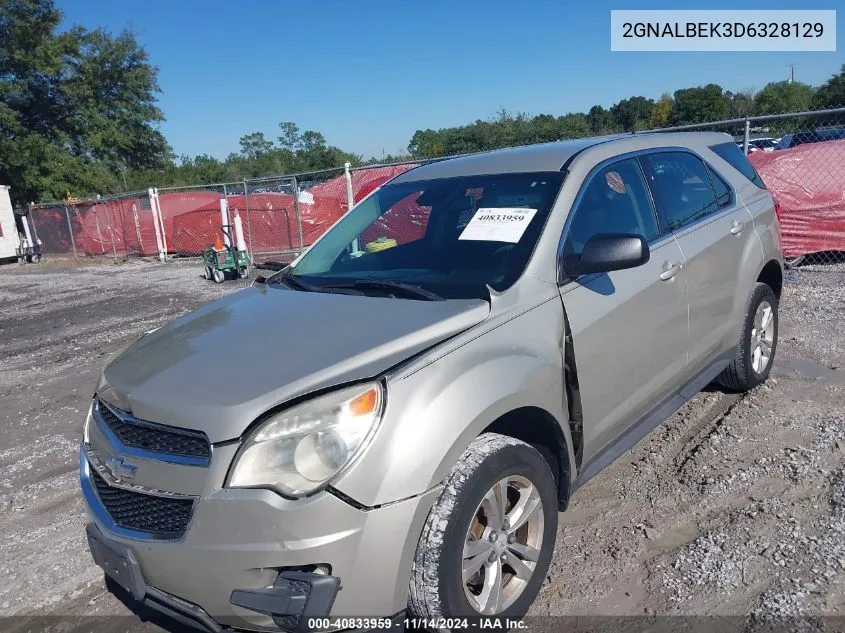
point(606, 252)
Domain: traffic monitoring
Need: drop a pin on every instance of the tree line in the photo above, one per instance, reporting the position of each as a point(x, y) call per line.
point(685, 106)
point(79, 116)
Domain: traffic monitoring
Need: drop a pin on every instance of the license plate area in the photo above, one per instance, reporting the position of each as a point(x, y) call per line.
point(118, 562)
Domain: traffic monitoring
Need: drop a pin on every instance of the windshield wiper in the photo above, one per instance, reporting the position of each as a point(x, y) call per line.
point(388, 285)
point(292, 282)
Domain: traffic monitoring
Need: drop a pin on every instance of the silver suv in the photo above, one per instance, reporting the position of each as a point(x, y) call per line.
point(427, 385)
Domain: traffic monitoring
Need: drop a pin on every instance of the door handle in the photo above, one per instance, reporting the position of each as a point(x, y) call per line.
point(736, 227)
point(669, 271)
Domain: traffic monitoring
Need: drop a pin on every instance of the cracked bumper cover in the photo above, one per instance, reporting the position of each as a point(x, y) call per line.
point(240, 540)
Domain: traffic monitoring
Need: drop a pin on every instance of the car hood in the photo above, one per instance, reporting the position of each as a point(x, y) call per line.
point(219, 368)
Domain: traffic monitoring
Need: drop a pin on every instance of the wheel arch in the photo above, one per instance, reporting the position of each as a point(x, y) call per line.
point(772, 275)
point(539, 428)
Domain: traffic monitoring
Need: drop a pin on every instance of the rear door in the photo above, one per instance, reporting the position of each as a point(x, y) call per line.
point(702, 211)
point(628, 327)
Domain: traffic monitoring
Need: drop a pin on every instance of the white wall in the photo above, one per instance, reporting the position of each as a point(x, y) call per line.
point(9, 238)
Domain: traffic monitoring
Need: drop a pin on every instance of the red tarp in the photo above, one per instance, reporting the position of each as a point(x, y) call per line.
point(271, 225)
point(125, 225)
point(808, 183)
point(192, 218)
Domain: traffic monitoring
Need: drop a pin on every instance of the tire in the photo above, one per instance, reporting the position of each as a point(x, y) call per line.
point(218, 276)
point(206, 274)
point(437, 588)
point(747, 371)
point(243, 273)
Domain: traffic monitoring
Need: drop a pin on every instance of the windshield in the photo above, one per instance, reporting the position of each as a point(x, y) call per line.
point(450, 236)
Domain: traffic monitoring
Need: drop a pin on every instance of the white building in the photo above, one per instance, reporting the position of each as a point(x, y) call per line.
point(8, 230)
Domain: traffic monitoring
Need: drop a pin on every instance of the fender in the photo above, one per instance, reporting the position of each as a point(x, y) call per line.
point(435, 410)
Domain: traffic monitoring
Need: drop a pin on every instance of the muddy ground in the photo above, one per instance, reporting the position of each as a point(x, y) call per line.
point(735, 506)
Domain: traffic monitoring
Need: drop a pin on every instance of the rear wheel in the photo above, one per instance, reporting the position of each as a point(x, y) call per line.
point(488, 541)
point(218, 276)
point(757, 344)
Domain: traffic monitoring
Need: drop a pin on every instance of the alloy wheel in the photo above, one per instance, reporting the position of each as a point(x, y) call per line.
point(503, 544)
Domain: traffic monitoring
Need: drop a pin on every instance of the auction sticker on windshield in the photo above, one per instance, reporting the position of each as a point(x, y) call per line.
point(498, 224)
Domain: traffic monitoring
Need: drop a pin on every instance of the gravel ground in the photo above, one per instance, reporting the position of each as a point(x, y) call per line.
point(734, 507)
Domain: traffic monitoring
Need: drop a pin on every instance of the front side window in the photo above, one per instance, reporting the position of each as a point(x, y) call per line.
point(681, 187)
point(615, 201)
point(452, 237)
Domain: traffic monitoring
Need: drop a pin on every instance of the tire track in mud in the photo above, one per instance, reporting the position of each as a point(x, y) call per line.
point(710, 424)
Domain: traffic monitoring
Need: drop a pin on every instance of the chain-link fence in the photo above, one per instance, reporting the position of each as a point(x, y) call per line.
point(799, 156)
point(117, 225)
point(801, 159)
point(191, 215)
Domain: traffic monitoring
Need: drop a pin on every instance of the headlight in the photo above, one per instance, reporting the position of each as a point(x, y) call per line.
point(298, 450)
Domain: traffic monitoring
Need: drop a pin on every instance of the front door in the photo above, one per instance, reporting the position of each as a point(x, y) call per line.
point(628, 327)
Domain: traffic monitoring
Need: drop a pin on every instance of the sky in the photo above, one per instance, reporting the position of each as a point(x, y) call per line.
point(368, 74)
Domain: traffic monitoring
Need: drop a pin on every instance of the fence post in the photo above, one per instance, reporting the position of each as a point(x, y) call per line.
point(34, 228)
point(747, 134)
point(298, 214)
point(110, 218)
point(350, 196)
point(250, 249)
point(163, 253)
point(156, 228)
point(70, 230)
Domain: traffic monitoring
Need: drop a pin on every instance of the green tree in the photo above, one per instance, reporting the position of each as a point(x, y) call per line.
point(783, 96)
point(426, 144)
point(742, 103)
point(600, 120)
point(254, 145)
point(629, 114)
point(661, 112)
point(311, 141)
point(698, 105)
point(77, 108)
point(831, 94)
point(290, 138)
point(572, 125)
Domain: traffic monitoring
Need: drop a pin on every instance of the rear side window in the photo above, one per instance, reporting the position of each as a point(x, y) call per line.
point(681, 187)
point(732, 154)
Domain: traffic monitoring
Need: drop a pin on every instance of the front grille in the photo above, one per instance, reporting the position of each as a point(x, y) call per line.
point(155, 438)
point(162, 516)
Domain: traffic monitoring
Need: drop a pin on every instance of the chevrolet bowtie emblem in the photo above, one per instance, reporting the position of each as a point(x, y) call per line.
point(120, 470)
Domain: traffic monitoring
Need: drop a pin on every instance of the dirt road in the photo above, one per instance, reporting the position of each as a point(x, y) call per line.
point(735, 506)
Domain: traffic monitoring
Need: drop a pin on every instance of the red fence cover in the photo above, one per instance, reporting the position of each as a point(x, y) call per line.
point(808, 183)
point(271, 225)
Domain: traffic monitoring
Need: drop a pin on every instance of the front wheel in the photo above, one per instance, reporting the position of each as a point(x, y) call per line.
point(488, 541)
point(218, 276)
point(757, 344)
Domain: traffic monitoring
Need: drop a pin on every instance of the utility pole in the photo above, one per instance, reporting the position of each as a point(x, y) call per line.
point(791, 73)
